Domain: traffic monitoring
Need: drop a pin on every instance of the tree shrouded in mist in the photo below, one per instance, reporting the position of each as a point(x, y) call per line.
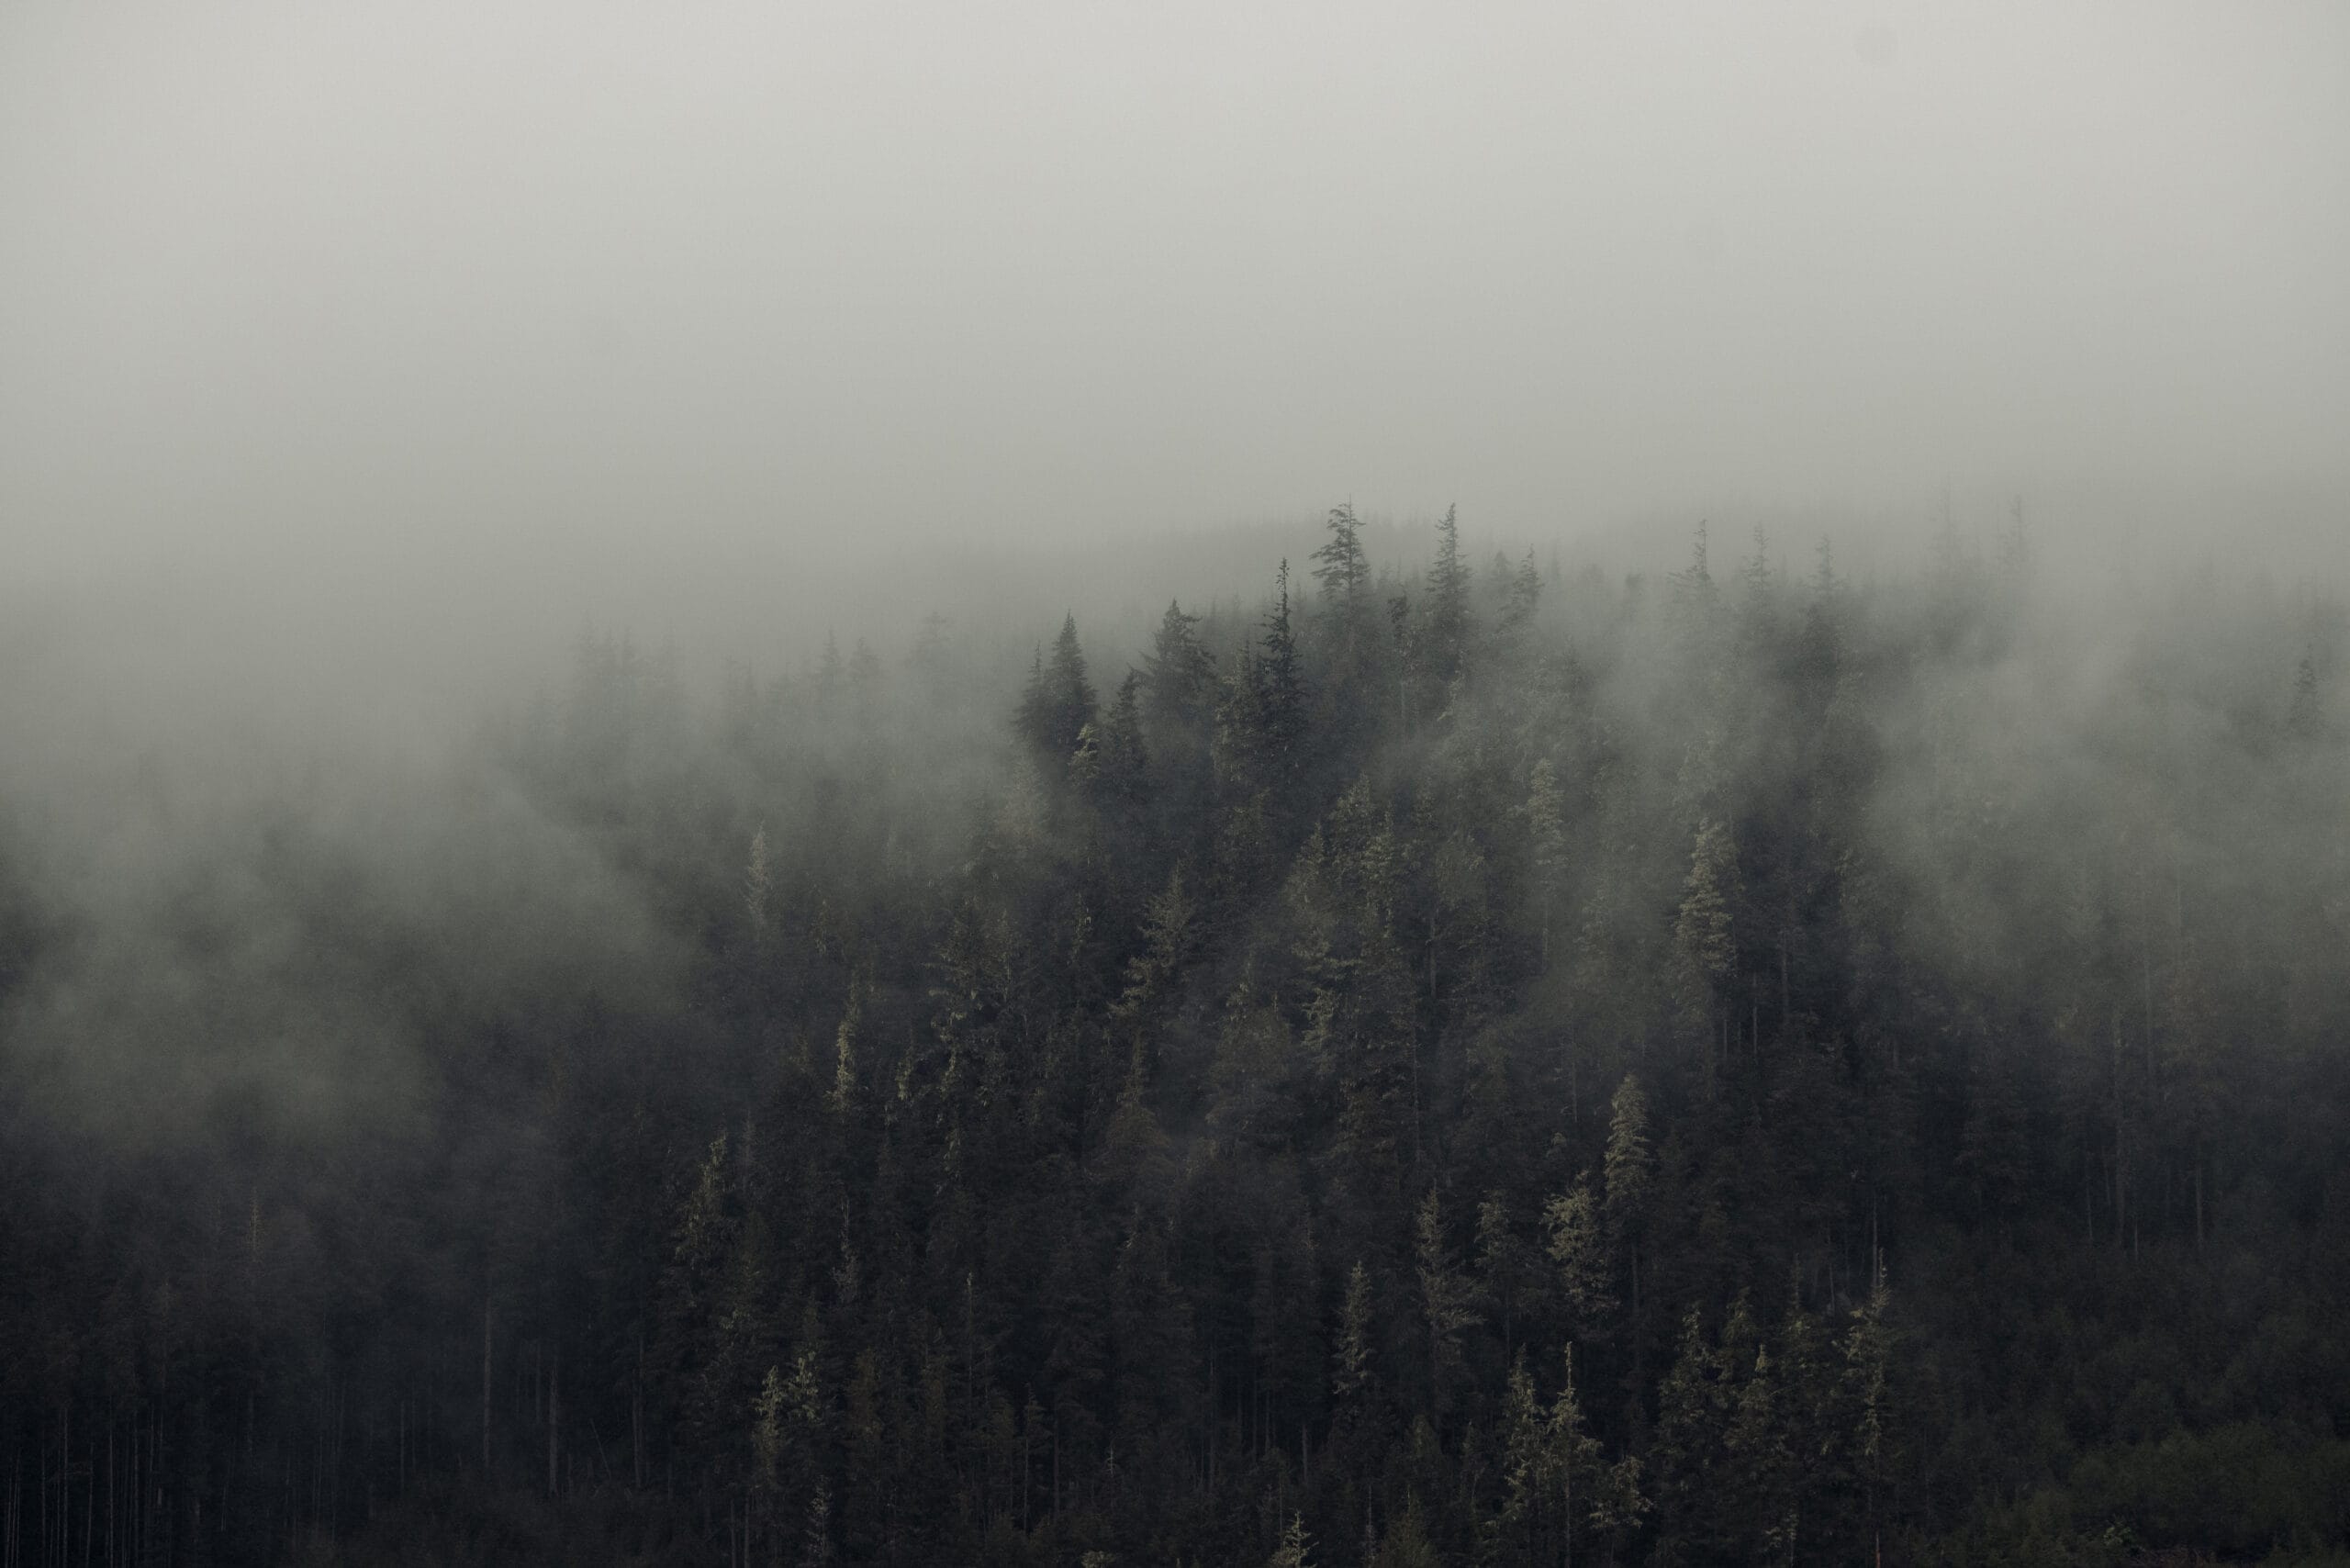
point(1454, 1067)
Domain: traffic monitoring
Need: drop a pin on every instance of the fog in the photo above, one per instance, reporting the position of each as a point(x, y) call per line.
point(460, 288)
point(764, 768)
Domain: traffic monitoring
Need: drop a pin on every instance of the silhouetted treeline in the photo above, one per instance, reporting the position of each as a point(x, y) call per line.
point(1478, 1064)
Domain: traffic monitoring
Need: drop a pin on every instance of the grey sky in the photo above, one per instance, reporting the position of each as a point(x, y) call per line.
point(298, 276)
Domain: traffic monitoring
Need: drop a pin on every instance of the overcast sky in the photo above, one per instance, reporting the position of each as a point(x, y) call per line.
point(320, 277)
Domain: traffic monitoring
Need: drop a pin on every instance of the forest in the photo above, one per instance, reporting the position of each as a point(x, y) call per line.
point(1500, 1061)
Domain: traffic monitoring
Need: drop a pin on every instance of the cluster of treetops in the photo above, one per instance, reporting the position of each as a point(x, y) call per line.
point(1493, 1066)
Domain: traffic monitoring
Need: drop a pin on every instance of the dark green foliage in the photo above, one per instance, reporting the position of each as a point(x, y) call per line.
point(1547, 1074)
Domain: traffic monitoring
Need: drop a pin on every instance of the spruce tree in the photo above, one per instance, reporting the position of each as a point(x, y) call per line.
point(1445, 1298)
point(1069, 695)
point(1701, 931)
point(1282, 682)
point(1341, 567)
point(1547, 835)
point(1178, 677)
point(1125, 764)
point(1447, 604)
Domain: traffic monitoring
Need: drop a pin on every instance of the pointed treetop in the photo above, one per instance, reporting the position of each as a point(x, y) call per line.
point(1343, 570)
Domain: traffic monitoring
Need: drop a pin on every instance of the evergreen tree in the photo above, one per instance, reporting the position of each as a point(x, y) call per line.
point(1341, 566)
point(1178, 678)
point(1587, 1494)
point(1578, 1247)
point(1630, 1167)
point(1701, 933)
point(1448, 602)
point(1445, 1297)
point(1521, 595)
point(1547, 833)
point(1354, 1374)
point(1069, 695)
point(1296, 1547)
point(1284, 674)
point(1123, 764)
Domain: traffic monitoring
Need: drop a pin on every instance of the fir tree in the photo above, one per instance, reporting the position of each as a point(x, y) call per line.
point(1701, 932)
point(1547, 835)
point(1578, 1247)
point(1124, 765)
point(1353, 1375)
point(1447, 605)
point(1296, 1547)
point(1177, 676)
point(1281, 681)
point(1341, 567)
point(1445, 1297)
point(1069, 695)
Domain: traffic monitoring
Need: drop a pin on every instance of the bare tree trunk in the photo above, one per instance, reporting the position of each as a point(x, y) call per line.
point(484, 1384)
point(554, 1418)
point(2199, 1197)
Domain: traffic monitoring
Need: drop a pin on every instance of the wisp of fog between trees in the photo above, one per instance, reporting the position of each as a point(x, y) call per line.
point(1220, 785)
point(1440, 1061)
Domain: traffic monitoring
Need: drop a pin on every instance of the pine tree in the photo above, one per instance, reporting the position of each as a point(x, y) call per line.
point(1701, 932)
point(842, 1099)
point(1571, 1459)
point(1521, 595)
point(1178, 678)
point(1033, 720)
point(1526, 1464)
point(1868, 1364)
point(1630, 1167)
point(1448, 612)
point(1069, 703)
point(1578, 1247)
point(1696, 600)
point(1085, 761)
point(1757, 605)
point(1759, 1475)
point(1343, 570)
point(1353, 1376)
point(768, 1457)
point(1505, 1266)
point(1296, 1547)
point(1692, 1426)
point(1547, 836)
point(1281, 681)
point(1170, 933)
point(1445, 1298)
point(1123, 765)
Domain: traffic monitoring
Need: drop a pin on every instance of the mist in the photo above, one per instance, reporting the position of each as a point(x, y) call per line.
point(1047, 786)
point(313, 282)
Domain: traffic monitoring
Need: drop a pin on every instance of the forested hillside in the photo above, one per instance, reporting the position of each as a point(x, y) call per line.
point(1484, 1062)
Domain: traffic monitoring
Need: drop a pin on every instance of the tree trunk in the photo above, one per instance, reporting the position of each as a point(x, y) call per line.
point(485, 1385)
point(2199, 1197)
point(554, 1420)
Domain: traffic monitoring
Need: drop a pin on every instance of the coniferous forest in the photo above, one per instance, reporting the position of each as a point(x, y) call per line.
point(1453, 1061)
